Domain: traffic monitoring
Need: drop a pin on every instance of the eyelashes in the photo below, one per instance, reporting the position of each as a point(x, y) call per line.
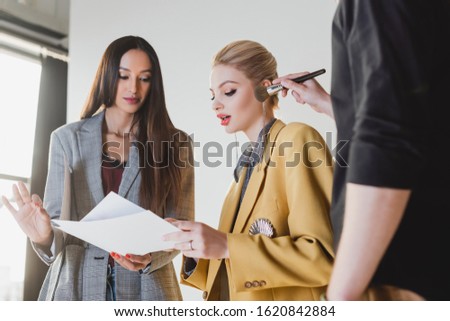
point(228, 94)
point(144, 79)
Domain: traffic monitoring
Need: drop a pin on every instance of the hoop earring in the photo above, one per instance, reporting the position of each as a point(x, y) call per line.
point(263, 138)
point(236, 149)
point(264, 116)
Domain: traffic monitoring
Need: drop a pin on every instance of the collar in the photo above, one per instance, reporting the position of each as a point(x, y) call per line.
point(253, 153)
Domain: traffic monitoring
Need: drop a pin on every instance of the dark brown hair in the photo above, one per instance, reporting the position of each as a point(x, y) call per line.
point(159, 141)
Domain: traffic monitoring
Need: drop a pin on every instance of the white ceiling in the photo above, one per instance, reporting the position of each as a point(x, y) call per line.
point(45, 20)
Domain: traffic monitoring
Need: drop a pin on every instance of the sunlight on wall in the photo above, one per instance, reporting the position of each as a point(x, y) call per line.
point(19, 83)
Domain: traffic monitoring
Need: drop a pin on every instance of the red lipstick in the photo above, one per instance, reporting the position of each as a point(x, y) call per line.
point(225, 119)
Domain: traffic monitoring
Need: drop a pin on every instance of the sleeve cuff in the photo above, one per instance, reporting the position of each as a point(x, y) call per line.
point(146, 269)
point(189, 266)
point(46, 254)
point(371, 165)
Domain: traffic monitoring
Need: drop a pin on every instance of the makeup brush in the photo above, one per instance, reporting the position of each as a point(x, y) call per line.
point(262, 92)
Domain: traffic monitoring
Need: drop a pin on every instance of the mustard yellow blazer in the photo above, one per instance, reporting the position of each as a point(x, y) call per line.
point(291, 188)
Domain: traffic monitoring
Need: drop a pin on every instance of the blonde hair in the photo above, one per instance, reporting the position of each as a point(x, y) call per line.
point(251, 58)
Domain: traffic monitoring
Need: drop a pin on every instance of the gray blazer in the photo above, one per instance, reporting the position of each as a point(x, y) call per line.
point(78, 269)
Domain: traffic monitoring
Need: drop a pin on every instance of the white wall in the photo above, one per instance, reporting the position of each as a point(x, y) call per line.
point(186, 34)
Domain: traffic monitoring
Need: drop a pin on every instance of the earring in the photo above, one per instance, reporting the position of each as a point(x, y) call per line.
point(236, 149)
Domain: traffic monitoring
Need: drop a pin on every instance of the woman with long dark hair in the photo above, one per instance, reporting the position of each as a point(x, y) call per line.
point(125, 142)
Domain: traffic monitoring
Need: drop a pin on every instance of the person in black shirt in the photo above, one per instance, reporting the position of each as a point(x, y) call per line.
point(389, 97)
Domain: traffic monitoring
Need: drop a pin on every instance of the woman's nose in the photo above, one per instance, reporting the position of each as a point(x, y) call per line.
point(132, 86)
point(216, 106)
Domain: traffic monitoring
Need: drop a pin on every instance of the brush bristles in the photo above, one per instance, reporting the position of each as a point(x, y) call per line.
point(261, 93)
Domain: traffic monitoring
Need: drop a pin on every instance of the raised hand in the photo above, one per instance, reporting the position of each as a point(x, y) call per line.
point(309, 92)
point(32, 218)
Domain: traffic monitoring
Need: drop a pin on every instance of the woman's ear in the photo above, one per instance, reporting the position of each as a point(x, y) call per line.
point(266, 83)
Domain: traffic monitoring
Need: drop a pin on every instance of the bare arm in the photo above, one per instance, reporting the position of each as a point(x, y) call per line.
point(372, 216)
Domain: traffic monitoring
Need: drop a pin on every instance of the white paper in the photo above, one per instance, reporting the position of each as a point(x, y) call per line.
point(113, 205)
point(118, 225)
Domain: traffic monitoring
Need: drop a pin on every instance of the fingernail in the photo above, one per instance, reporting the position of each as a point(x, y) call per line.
point(128, 256)
point(113, 254)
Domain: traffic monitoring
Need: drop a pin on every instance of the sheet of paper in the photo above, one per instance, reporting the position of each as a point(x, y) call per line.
point(118, 225)
point(113, 205)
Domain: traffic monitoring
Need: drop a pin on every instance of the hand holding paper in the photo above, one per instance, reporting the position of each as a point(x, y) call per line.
point(118, 225)
point(133, 262)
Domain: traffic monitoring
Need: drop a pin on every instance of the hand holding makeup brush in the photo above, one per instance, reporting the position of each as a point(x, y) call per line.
point(309, 92)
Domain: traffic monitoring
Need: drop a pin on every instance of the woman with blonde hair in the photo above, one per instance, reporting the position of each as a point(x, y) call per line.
point(274, 240)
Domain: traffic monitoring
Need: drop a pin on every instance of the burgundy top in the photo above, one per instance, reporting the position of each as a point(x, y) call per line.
point(112, 171)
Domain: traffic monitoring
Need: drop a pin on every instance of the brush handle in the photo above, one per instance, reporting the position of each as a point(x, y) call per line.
point(308, 76)
point(274, 89)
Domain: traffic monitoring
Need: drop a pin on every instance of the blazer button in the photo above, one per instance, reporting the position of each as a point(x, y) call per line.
point(256, 284)
point(248, 284)
point(205, 295)
point(263, 283)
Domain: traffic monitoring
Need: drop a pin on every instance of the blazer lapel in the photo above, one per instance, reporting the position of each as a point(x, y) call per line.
point(131, 171)
point(90, 142)
point(231, 203)
point(256, 180)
